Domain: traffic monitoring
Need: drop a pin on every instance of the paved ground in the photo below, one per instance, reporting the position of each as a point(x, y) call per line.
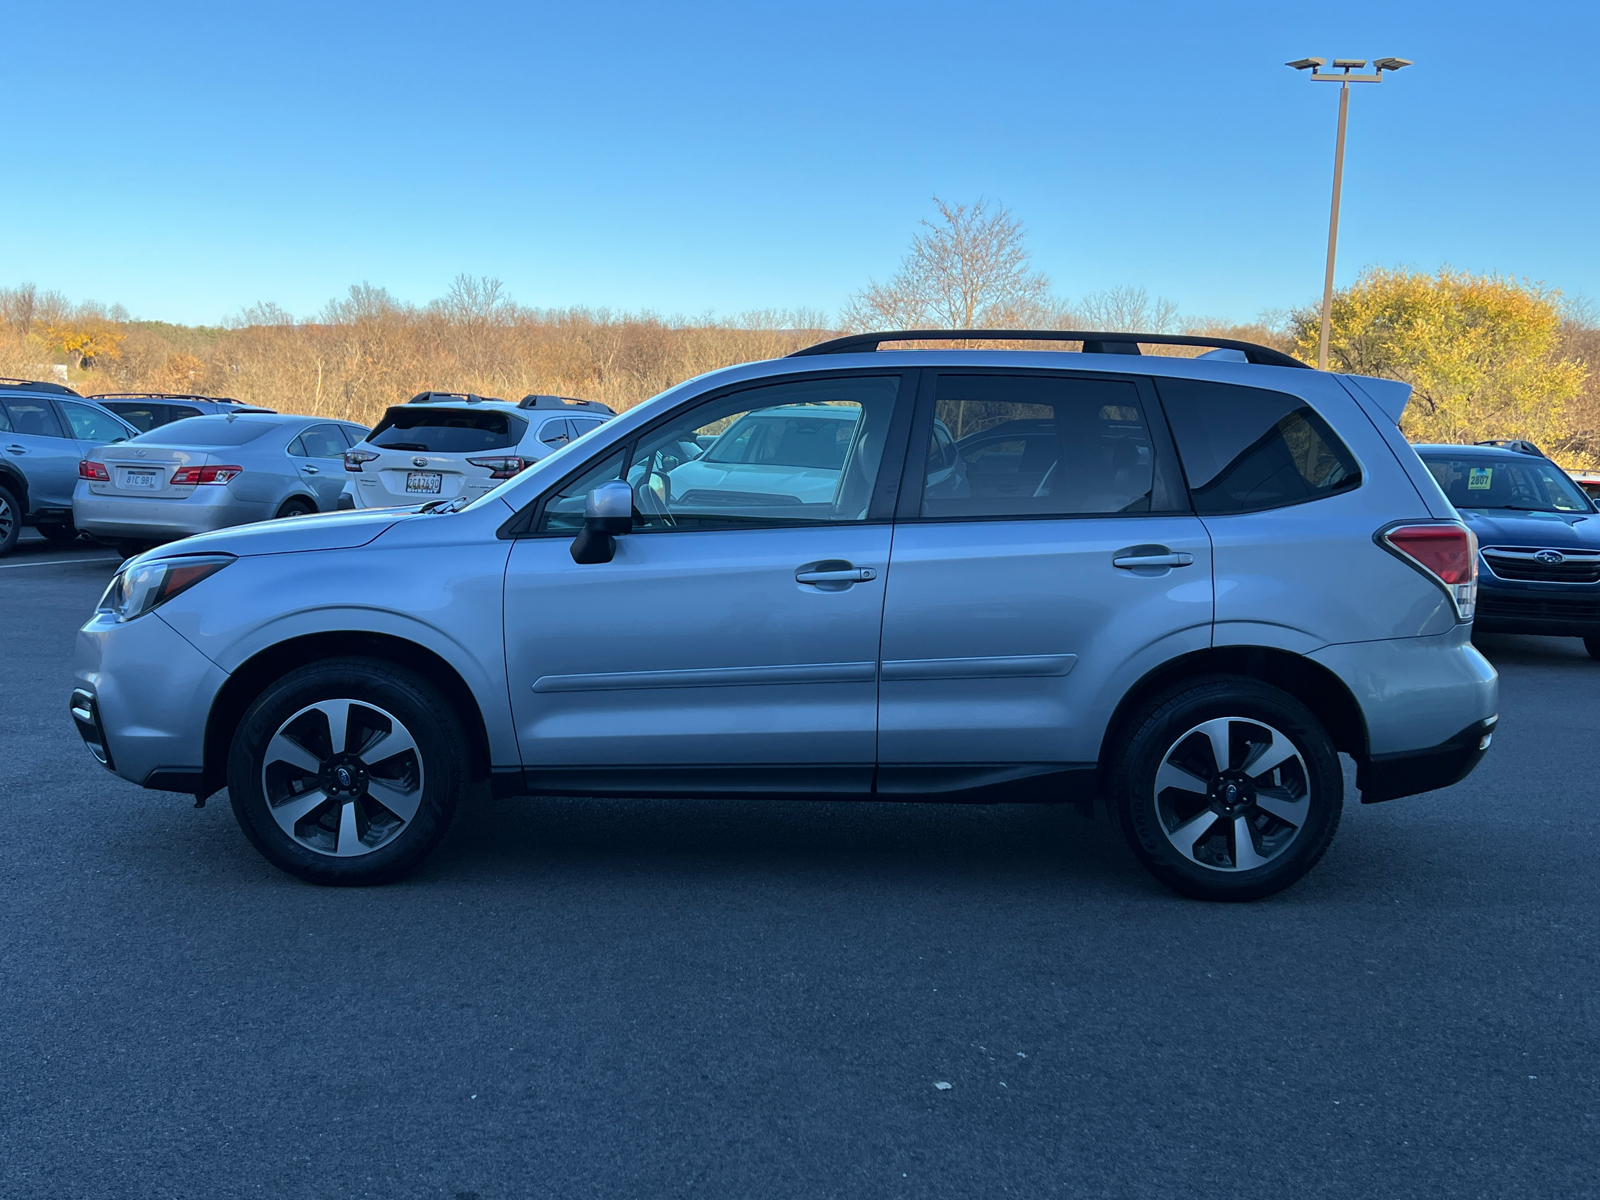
point(676, 999)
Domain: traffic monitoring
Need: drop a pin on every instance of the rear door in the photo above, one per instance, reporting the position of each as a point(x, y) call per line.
point(318, 453)
point(1029, 587)
point(39, 446)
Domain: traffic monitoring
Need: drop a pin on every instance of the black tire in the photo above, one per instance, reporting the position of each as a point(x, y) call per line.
point(296, 506)
point(1592, 645)
point(1309, 786)
point(58, 531)
point(130, 549)
point(442, 765)
point(10, 521)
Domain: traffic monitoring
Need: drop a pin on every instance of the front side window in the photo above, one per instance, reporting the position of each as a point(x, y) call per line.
point(321, 441)
point(447, 431)
point(92, 425)
point(800, 453)
point(1247, 449)
point(1530, 485)
point(1038, 445)
point(34, 417)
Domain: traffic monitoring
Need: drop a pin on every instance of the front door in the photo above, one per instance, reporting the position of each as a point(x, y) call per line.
point(1046, 562)
point(731, 644)
point(39, 445)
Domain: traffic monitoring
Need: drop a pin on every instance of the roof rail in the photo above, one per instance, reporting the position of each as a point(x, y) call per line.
point(534, 400)
point(38, 385)
point(435, 397)
point(161, 396)
point(1094, 342)
point(1517, 444)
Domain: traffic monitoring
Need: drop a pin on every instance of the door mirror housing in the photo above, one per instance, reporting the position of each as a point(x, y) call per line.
point(607, 513)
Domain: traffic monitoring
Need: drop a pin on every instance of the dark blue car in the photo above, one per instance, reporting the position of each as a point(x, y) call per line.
point(1538, 539)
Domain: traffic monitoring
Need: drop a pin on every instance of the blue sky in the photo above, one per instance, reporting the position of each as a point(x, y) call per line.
point(186, 161)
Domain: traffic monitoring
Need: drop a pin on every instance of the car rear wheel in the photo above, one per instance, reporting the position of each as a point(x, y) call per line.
point(296, 507)
point(1227, 789)
point(10, 521)
point(1592, 645)
point(348, 771)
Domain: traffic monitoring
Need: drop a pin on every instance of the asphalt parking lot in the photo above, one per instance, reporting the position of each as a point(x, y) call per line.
point(674, 999)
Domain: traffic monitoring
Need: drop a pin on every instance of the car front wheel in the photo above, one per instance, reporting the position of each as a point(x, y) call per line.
point(348, 771)
point(1227, 789)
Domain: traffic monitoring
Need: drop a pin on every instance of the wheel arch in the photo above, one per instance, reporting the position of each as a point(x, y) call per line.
point(259, 671)
point(16, 483)
point(284, 503)
point(1311, 683)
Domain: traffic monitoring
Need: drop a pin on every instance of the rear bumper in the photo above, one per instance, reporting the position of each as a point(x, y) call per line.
point(1390, 776)
point(161, 520)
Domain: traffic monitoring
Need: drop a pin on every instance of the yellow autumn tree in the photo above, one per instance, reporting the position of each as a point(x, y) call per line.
point(1483, 353)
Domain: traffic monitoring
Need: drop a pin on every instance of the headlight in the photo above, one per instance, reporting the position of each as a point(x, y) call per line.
point(140, 587)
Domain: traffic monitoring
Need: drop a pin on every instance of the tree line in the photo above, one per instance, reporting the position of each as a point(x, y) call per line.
point(1488, 356)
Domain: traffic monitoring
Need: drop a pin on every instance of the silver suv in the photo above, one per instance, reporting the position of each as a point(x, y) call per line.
point(1183, 586)
point(449, 446)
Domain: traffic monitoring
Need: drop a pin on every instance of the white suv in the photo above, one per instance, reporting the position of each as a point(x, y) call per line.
point(448, 446)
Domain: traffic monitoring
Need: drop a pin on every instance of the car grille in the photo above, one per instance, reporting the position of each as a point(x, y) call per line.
point(1577, 566)
point(1535, 606)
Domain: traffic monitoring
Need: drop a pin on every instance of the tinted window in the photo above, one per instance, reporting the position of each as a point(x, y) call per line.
point(1037, 445)
point(177, 412)
point(555, 433)
point(208, 431)
point(35, 417)
point(1531, 485)
point(798, 453)
point(320, 441)
point(582, 425)
point(143, 417)
point(447, 430)
point(92, 425)
point(1246, 449)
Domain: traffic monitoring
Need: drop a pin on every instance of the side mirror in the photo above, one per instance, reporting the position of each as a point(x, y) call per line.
point(607, 512)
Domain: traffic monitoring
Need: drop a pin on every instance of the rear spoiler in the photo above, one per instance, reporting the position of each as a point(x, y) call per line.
point(1388, 394)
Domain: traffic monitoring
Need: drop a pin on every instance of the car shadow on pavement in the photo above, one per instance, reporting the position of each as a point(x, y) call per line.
point(781, 837)
point(1530, 650)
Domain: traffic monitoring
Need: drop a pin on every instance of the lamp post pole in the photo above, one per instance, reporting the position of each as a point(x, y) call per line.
point(1344, 78)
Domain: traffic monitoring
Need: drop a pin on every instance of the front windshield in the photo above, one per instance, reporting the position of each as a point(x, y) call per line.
point(1528, 485)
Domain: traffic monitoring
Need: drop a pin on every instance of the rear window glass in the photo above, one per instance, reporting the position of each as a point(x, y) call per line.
point(447, 431)
point(208, 431)
point(1247, 449)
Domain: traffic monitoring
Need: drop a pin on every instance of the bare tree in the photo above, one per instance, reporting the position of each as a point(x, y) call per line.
point(264, 312)
point(968, 270)
point(19, 308)
point(365, 303)
point(1127, 309)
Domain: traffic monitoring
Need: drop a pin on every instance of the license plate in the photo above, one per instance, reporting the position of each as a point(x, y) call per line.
point(427, 482)
point(149, 480)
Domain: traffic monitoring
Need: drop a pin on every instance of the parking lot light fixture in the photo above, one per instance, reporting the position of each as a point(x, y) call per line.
point(1344, 75)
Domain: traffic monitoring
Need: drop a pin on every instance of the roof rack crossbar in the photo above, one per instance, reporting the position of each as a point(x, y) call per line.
point(1095, 341)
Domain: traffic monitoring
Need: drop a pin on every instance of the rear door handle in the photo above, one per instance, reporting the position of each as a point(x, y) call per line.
point(310, 470)
point(17, 449)
point(853, 575)
point(1130, 561)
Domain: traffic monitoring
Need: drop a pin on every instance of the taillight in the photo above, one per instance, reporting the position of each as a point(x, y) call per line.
point(88, 469)
point(354, 458)
point(187, 476)
point(506, 467)
point(1447, 553)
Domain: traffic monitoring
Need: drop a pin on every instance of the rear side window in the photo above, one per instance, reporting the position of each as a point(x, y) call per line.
point(144, 417)
point(33, 417)
point(320, 441)
point(92, 425)
point(447, 431)
point(554, 433)
point(1038, 445)
point(1247, 449)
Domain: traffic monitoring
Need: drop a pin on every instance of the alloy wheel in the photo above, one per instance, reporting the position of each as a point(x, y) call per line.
point(1232, 794)
point(342, 777)
point(8, 519)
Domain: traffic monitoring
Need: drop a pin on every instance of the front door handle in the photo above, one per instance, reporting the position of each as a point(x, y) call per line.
point(310, 470)
point(1131, 561)
point(17, 449)
point(834, 574)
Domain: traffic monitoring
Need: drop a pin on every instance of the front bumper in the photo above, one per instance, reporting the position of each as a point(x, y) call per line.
point(141, 700)
point(1554, 611)
point(131, 517)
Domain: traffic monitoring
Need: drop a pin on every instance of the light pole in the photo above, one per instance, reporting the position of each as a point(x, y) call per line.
point(1342, 76)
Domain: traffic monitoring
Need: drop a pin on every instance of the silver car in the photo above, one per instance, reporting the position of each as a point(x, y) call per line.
point(211, 472)
point(1178, 587)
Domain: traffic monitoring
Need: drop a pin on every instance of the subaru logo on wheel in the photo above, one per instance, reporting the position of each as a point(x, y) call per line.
point(419, 462)
point(1550, 557)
